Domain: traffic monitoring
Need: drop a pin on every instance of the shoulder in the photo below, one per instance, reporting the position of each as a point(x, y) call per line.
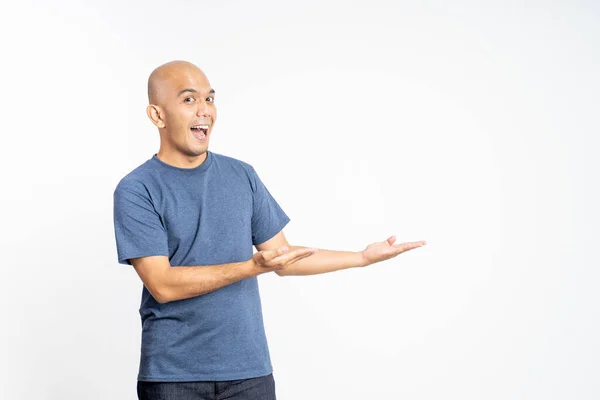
point(231, 161)
point(240, 167)
point(137, 180)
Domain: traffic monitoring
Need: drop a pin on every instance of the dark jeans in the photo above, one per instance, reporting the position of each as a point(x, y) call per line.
point(261, 388)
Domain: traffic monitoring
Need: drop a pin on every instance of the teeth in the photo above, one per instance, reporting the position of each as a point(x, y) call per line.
point(202, 130)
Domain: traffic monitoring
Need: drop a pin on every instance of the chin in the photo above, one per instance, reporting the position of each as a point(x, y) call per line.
point(201, 150)
point(193, 151)
point(197, 152)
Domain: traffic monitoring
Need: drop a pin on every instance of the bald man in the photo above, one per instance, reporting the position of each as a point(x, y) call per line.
point(187, 220)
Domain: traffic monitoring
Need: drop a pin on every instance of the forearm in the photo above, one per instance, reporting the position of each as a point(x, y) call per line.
point(323, 261)
point(190, 281)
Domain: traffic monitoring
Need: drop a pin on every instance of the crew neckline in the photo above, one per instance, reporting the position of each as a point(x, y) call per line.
point(200, 168)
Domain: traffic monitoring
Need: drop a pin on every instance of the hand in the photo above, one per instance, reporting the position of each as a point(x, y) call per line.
point(385, 250)
point(275, 260)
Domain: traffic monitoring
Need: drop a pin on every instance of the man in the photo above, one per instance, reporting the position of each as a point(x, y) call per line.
point(187, 220)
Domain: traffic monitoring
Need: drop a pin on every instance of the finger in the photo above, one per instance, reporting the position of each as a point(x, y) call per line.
point(286, 258)
point(402, 247)
point(259, 258)
point(272, 254)
point(302, 253)
point(268, 255)
point(391, 240)
point(298, 258)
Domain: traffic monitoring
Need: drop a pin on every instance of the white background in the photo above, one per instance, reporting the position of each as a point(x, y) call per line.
point(472, 125)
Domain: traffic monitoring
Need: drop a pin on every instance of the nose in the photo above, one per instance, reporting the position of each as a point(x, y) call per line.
point(203, 109)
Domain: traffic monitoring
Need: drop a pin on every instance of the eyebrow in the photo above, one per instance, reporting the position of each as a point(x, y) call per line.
point(193, 91)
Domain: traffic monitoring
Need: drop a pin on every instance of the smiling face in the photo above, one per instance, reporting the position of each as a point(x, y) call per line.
point(182, 107)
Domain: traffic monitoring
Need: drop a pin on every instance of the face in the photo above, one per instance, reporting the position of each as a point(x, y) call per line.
point(185, 113)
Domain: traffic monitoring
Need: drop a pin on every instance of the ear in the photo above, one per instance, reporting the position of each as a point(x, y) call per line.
point(156, 115)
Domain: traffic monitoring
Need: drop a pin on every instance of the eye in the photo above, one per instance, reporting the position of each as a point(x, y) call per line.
point(210, 99)
point(188, 100)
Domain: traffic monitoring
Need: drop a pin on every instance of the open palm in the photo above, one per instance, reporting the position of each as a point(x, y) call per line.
point(385, 250)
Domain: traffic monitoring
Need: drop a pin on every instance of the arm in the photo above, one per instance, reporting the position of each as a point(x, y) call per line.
point(167, 283)
point(329, 260)
point(139, 230)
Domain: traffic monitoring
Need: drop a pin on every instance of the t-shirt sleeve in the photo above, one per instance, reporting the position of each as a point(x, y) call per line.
point(268, 218)
point(139, 231)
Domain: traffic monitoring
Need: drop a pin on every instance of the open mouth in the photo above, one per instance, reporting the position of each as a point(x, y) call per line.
point(200, 131)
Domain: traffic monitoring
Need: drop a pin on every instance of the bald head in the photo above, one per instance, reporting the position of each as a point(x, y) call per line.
point(182, 107)
point(170, 77)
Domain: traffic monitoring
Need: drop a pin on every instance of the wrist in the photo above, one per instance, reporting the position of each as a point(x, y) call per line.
point(252, 268)
point(248, 268)
point(361, 260)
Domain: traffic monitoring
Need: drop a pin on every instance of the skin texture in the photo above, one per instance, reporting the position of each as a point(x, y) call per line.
point(174, 111)
point(180, 96)
point(324, 260)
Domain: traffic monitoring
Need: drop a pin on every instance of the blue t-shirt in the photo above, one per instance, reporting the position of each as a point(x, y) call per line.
point(211, 214)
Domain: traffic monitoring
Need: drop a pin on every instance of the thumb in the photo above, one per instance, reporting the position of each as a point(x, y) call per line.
point(259, 257)
point(282, 250)
point(268, 255)
point(391, 240)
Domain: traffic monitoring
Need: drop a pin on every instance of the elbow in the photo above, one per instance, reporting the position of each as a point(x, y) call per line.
point(161, 295)
point(156, 276)
point(161, 299)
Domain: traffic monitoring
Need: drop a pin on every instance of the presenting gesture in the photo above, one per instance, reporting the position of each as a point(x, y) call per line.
point(280, 258)
point(385, 250)
point(284, 259)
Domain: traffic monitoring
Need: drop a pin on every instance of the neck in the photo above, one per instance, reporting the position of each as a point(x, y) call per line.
point(181, 160)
